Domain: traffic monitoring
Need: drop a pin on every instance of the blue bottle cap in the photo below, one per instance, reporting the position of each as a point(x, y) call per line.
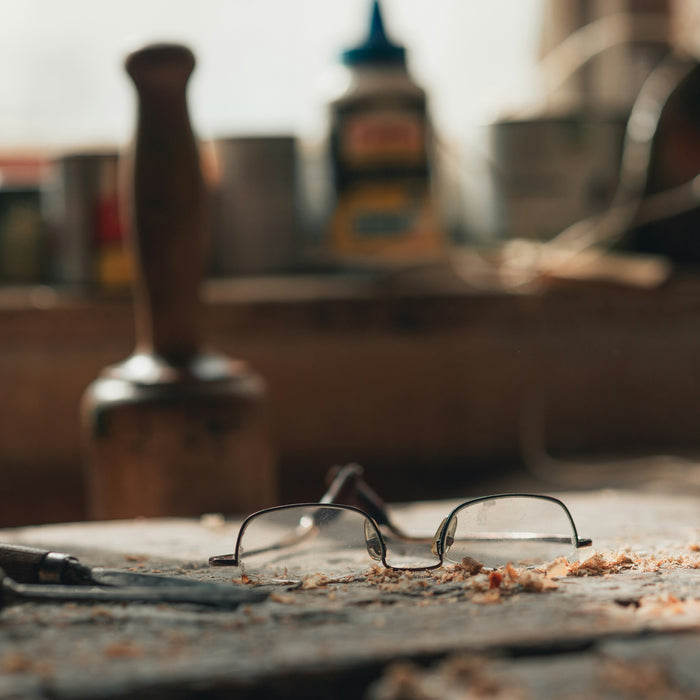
point(377, 48)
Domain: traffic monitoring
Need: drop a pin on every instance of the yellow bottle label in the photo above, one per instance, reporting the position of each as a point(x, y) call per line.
point(388, 221)
point(384, 209)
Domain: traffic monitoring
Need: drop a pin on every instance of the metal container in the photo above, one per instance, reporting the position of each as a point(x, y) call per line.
point(553, 171)
point(254, 218)
point(80, 206)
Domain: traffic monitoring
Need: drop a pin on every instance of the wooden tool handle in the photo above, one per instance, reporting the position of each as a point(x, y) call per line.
point(164, 201)
point(22, 563)
point(31, 565)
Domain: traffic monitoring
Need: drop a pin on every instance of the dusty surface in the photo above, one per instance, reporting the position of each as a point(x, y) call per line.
point(622, 623)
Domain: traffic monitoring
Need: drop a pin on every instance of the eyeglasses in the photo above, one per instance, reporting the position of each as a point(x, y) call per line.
point(289, 543)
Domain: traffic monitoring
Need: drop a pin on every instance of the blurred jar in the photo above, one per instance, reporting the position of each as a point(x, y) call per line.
point(380, 149)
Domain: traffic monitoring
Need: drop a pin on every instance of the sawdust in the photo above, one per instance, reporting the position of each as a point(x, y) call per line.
point(667, 605)
point(612, 563)
point(136, 557)
point(123, 650)
point(495, 579)
point(471, 566)
point(646, 681)
point(492, 597)
point(16, 662)
point(463, 676)
point(599, 564)
point(470, 580)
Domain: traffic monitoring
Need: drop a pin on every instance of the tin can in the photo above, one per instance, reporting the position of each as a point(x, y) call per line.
point(254, 217)
point(80, 204)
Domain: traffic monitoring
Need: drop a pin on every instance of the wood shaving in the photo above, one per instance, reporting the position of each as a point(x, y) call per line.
point(668, 605)
point(315, 581)
point(491, 597)
point(530, 580)
point(612, 563)
point(284, 598)
point(463, 677)
point(123, 650)
point(135, 557)
point(15, 662)
point(495, 579)
point(598, 565)
point(471, 566)
point(559, 568)
point(649, 681)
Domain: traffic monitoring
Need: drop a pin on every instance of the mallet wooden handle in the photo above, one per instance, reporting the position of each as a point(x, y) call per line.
point(164, 198)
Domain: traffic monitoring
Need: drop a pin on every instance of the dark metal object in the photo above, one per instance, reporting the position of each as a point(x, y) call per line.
point(211, 595)
point(33, 565)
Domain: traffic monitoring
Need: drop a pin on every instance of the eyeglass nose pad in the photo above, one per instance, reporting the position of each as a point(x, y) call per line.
point(373, 542)
point(435, 546)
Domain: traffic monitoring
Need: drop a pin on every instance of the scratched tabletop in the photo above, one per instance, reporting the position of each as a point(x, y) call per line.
point(622, 622)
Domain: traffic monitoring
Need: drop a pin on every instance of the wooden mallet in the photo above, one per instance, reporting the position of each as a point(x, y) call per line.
point(173, 430)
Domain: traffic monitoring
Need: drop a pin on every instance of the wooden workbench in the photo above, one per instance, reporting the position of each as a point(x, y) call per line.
point(629, 627)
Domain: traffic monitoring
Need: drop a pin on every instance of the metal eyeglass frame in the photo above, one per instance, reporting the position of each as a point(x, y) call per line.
point(348, 484)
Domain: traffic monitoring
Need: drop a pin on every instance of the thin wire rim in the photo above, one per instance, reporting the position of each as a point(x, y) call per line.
point(233, 559)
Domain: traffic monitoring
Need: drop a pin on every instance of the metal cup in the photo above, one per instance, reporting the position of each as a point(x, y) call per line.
point(254, 217)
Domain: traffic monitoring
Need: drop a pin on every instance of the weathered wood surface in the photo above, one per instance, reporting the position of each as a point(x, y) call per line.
point(614, 635)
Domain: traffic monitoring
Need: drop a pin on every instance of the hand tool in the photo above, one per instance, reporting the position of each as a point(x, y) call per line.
point(212, 595)
point(174, 429)
point(33, 565)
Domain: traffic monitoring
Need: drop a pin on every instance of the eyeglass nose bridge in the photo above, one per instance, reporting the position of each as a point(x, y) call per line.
point(444, 537)
point(374, 543)
point(378, 550)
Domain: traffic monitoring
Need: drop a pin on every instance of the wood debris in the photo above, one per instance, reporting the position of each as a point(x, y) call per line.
point(598, 565)
point(465, 677)
point(471, 566)
point(490, 597)
point(135, 557)
point(649, 681)
point(495, 579)
point(123, 650)
point(315, 581)
point(530, 580)
point(15, 662)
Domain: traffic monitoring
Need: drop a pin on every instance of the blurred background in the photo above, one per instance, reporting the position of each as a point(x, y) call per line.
point(555, 310)
point(261, 66)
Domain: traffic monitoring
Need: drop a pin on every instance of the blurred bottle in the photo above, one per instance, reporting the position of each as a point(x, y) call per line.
point(380, 149)
point(22, 240)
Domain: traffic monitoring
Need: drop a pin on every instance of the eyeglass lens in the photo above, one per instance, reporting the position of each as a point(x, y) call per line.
point(522, 530)
point(295, 542)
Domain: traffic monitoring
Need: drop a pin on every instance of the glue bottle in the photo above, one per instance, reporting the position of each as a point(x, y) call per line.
point(380, 149)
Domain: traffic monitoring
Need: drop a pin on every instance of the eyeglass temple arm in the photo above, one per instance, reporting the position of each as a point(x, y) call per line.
point(349, 488)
